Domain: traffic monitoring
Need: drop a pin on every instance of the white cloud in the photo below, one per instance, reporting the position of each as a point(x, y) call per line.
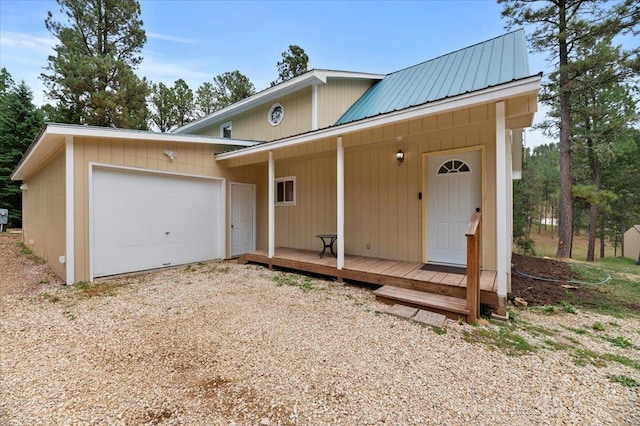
point(167, 72)
point(24, 56)
point(31, 43)
point(167, 37)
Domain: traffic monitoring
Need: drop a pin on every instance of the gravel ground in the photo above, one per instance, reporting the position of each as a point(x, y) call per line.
point(222, 344)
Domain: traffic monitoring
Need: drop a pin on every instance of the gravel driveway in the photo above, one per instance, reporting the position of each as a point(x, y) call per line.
point(221, 344)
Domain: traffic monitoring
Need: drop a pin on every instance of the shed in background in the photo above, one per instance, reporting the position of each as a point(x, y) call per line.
point(632, 243)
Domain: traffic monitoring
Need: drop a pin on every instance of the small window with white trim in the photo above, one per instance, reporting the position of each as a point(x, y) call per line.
point(276, 114)
point(225, 130)
point(286, 191)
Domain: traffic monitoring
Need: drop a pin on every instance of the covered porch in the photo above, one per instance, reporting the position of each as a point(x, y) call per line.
point(349, 181)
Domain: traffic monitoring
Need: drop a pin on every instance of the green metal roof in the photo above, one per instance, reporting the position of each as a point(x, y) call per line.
point(491, 63)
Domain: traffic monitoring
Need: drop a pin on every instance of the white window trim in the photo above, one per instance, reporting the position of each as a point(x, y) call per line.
point(223, 126)
point(275, 190)
point(274, 106)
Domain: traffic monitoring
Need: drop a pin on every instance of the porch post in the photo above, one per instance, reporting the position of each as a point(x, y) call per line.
point(340, 203)
point(272, 210)
point(502, 208)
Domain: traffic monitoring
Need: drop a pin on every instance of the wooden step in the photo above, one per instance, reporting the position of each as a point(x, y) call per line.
point(453, 307)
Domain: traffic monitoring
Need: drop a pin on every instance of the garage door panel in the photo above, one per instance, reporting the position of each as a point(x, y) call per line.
point(145, 220)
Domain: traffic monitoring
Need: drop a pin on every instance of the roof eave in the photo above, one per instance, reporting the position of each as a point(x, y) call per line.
point(271, 93)
point(50, 131)
point(495, 93)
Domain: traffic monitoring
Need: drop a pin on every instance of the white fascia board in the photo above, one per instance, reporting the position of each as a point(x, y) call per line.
point(352, 75)
point(107, 132)
point(308, 79)
point(492, 94)
point(47, 141)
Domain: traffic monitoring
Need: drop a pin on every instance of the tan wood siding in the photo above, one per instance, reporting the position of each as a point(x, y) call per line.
point(335, 98)
point(253, 124)
point(315, 209)
point(44, 212)
point(382, 206)
point(192, 159)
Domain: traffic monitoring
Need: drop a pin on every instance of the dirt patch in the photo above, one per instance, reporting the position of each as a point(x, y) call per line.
point(540, 292)
point(20, 271)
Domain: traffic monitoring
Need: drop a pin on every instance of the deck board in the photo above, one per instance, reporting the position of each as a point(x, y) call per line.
point(413, 297)
point(378, 271)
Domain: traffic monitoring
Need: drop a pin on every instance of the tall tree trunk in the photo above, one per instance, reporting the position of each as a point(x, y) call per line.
point(554, 222)
point(593, 224)
point(602, 239)
point(594, 164)
point(565, 234)
point(622, 230)
point(541, 219)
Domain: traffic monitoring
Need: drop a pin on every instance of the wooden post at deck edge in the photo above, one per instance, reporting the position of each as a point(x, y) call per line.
point(473, 267)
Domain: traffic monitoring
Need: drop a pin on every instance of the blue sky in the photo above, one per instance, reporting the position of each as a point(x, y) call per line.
point(199, 39)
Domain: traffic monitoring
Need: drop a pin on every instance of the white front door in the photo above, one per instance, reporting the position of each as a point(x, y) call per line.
point(454, 189)
point(242, 207)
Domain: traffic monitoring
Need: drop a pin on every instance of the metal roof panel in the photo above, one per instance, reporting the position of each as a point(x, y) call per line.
point(490, 63)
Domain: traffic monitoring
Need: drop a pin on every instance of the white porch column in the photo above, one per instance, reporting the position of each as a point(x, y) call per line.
point(70, 240)
point(340, 203)
point(272, 207)
point(511, 145)
point(502, 208)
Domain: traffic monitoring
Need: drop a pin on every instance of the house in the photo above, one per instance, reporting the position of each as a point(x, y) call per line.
point(393, 165)
point(631, 240)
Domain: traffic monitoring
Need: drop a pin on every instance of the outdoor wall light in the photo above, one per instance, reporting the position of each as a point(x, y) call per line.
point(400, 156)
point(171, 154)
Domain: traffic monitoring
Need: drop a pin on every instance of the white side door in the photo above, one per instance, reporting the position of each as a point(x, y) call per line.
point(454, 191)
point(243, 214)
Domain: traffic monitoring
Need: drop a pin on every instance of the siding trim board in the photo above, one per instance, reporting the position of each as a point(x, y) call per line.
point(70, 242)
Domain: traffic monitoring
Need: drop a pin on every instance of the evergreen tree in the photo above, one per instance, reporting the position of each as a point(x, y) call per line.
point(91, 77)
point(20, 123)
point(294, 63)
point(183, 102)
point(161, 114)
point(231, 87)
point(205, 100)
point(603, 113)
point(171, 107)
point(561, 26)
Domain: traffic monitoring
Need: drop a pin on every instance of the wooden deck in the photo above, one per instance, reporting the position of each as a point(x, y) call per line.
point(396, 273)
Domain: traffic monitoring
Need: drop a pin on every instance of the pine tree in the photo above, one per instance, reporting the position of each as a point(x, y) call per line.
point(20, 123)
point(205, 100)
point(294, 63)
point(91, 77)
point(231, 87)
point(560, 27)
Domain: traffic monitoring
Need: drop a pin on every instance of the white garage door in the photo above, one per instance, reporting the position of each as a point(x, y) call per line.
point(150, 220)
